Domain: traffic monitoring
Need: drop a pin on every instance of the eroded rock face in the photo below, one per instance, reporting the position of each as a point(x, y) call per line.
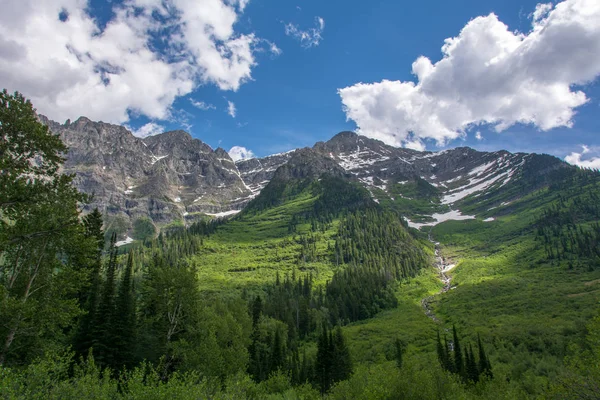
point(257, 172)
point(166, 177)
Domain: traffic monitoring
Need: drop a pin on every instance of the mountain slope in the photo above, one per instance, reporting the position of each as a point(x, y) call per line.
point(172, 178)
point(166, 177)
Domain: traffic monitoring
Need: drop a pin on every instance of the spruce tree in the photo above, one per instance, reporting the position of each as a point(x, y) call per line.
point(276, 352)
point(400, 349)
point(442, 353)
point(471, 370)
point(125, 318)
point(324, 360)
point(341, 364)
point(104, 343)
point(85, 331)
point(459, 364)
point(484, 363)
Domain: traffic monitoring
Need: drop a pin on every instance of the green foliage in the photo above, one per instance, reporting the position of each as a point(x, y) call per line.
point(117, 224)
point(143, 229)
point(44, 250)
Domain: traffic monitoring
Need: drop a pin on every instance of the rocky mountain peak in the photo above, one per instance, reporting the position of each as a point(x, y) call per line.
point(175, 177)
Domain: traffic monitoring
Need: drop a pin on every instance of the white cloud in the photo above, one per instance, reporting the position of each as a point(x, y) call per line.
point(202, 105)
point(150, 129)
point(541, 11)
point(231, 110)
point(478, 135)
point(78, 67)
point(488, 75)
point(576, 158)
point(240, 153)
point(307, 38)
point(274, 49)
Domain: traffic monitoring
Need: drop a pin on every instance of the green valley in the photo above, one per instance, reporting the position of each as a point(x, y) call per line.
point(315, 289)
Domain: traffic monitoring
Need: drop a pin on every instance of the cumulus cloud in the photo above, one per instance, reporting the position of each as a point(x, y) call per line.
point(488, 75)
point(590, 162)
point(309, 37)
point(150, 129)
point(202, 105)
point(478, 135)
point(149, 53)
point(231, 110)
point(240, 153)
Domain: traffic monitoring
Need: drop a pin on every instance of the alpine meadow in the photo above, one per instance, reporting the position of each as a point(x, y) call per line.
point(409, 256)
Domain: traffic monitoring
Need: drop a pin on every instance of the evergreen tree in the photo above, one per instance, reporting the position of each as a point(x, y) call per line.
point(257, 308)
point(276, 352)
point(341, 364)
point(484, 363)
point(324, 360)
point(125, 318)
point(471, 370)
point(85, 331)
point(459, 365)
point(442, 353)
point(104, 338)
point(399, 347)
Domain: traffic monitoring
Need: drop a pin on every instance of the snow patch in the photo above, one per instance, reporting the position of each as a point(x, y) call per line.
point(224, 214)
point(482, 168)
point(157, 159)
point(124, 242)
point(490, 219)
point(454, 215)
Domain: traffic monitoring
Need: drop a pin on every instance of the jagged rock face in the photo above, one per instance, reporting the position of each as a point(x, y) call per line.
point(257, 172)
point(308, 164)
point(166, 177)
point(454, 174)
point(173, 176)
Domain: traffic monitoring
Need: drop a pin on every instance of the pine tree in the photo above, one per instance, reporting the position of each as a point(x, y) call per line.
point(104, 342)
point(276, 352)
point(85, 331)
point(257, 309)
point(341, 364)
point(459, 364)
point(484, 363)
point(400, 350)
point(125, 318)
point(471, 370)
point(442, 353)
point(324, 360)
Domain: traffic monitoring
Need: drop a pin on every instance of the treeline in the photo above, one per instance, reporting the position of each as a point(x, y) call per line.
point(292, 315)
point(464, 363)
point(378, 251)
point(568, 229)
point(372, 250)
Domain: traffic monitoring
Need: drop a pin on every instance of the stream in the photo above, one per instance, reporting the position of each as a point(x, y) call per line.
point(443, 268)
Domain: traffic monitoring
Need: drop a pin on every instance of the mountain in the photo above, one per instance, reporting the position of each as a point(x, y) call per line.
point(499, 280)
point(173, 178)
point(167, 177)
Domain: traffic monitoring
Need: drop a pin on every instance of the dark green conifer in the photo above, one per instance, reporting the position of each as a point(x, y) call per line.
point(459, 365)
point(104, 342)
point(125, 318)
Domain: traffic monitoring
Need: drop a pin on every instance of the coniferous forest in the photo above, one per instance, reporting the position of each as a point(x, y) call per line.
point(313, 291)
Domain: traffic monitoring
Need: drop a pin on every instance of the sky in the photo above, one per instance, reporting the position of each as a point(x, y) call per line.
point(258, 77)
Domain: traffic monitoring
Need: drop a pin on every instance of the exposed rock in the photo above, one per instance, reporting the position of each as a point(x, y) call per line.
point(165, 177)
point(172, 176)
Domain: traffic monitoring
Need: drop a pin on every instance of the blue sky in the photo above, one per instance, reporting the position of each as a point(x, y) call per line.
point(270, 89)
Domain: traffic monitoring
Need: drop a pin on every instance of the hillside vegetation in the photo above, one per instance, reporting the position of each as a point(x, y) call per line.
point(314, 290)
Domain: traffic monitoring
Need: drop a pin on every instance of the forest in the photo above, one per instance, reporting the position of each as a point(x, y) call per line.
point(82, 317)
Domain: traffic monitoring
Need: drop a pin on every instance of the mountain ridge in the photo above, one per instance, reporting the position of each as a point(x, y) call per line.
point(175, 178)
